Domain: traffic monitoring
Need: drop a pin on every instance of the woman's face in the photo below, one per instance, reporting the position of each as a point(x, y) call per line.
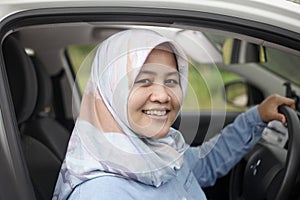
point(156, 96)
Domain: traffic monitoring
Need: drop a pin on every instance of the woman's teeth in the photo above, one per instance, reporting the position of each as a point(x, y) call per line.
point(155, 112)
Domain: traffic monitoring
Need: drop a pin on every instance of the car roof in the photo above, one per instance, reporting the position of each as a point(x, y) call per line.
point(284, 14)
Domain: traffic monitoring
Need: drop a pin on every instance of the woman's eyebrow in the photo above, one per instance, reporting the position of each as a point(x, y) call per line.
point(173, 73)
point(155, 73)
point(148, 72)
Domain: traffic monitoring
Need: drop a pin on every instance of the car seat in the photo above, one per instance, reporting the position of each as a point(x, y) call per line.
point(42, 125)
point(44, 141)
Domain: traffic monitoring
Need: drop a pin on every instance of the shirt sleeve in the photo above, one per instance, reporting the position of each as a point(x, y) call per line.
point(217, 156)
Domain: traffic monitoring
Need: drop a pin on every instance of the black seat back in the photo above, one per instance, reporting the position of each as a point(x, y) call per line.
point(43, 125)
point(44, 141)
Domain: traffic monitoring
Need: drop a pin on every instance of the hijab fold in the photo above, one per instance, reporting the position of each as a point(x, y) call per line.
point(102, 142)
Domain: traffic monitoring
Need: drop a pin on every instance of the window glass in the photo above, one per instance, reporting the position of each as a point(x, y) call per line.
point(284, 64)
point(79, 56)
point(206, 85)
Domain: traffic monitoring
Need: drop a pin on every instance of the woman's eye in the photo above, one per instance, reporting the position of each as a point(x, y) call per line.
point(171, 82)
point(143, 81)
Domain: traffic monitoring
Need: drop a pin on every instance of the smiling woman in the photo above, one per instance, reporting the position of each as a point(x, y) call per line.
point(104, 135)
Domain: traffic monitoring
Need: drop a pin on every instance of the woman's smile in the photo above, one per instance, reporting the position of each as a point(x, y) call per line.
point(157, 114)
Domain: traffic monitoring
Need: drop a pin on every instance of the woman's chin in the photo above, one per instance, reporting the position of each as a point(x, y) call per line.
point(161, 133)
point(155, 133)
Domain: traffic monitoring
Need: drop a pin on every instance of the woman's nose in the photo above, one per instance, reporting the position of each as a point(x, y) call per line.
point(159, 94)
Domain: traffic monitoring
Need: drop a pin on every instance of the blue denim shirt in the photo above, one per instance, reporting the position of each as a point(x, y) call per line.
point(202, 166)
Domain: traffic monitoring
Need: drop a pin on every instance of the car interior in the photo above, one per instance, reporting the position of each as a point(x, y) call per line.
point(45, 96)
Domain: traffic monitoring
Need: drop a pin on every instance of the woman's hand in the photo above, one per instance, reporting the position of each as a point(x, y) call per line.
point(268, 109)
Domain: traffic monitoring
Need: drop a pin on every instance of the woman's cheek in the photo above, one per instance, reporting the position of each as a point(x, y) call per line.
point(177, 97)
point(136, 101)
point(137, 98)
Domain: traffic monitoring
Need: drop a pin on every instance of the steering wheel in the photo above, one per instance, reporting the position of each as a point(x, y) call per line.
point(269, 172)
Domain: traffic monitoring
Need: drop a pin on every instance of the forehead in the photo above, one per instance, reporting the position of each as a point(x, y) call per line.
point(158, 69)
point(163, 56)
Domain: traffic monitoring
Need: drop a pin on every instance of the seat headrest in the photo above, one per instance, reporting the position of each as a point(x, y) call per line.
point(21, 77)
point(44, 98)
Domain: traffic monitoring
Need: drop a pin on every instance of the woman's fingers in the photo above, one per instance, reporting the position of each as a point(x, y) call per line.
point(268, 109)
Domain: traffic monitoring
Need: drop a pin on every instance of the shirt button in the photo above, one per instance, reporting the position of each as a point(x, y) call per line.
point(183, 198)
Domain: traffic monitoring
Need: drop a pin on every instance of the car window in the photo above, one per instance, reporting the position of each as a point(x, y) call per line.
point(206, 87)
point(80, 55)
point(277, 60)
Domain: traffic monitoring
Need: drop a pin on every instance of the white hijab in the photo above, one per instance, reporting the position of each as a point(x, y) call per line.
point(102, 142)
